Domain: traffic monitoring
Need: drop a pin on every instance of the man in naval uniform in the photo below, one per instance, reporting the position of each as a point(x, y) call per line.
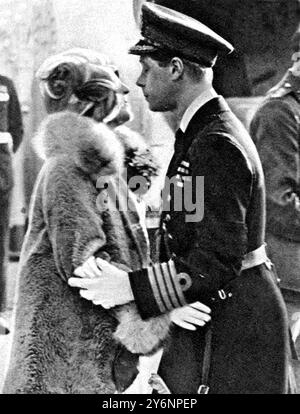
point(11, 132)
point(217, 258)
point(275, 130)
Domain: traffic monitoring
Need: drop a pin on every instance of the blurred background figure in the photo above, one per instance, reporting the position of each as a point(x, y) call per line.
point(11, 132)
point(275, 129)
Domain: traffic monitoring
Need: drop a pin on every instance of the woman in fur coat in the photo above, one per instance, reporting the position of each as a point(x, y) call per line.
point(63, 343)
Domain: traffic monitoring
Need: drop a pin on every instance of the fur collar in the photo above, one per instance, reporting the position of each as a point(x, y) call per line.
point(131, 140)
point(139, 159)
point(92, 146)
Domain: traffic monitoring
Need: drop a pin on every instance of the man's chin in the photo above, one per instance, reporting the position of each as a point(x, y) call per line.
point(154, 108)
point(157, 108)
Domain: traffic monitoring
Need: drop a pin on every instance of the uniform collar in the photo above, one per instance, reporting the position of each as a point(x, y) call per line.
point(197, 103)
point(208, 111)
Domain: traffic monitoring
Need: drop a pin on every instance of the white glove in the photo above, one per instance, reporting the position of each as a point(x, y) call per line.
point(191, 316)
point(102, 283)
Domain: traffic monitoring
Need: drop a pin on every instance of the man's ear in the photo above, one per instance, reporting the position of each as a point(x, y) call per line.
point(177, 68)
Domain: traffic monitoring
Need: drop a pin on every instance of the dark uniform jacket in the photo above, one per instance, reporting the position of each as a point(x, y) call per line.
point(275, 130)
point(249, 340)
point(10, 112)
point(11, 122)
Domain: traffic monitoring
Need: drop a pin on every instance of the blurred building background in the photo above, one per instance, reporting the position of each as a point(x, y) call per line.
point(32, 30)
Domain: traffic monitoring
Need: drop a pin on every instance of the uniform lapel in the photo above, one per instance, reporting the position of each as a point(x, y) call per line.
point(210, 110)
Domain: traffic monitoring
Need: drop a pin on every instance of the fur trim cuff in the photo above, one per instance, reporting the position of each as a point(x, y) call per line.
point(137, 335)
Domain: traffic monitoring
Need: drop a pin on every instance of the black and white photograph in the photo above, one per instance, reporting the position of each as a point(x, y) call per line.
point(149, 199)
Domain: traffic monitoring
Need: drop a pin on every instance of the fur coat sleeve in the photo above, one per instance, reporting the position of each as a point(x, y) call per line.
point(74, 227)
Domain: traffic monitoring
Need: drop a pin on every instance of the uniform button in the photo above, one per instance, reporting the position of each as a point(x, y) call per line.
point(184, 280)
point(167, 218)
point(170, 236)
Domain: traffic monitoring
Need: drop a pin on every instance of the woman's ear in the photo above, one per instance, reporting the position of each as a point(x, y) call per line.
point(105, 107)
point(177, 68)
point(99, 112)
